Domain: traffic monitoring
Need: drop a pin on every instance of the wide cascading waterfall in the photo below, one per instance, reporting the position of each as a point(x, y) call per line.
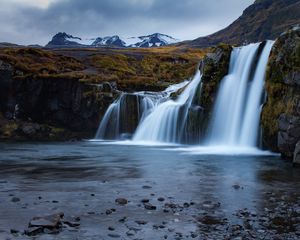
point(167, 122)
point(236, 114)
point(123, 116)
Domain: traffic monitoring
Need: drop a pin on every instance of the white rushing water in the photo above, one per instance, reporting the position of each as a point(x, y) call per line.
point(234, 126)
point(166, 122)
point(236, 115)
point(114, 120)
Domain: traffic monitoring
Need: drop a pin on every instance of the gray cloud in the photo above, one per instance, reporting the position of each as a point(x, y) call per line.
point(184, 19)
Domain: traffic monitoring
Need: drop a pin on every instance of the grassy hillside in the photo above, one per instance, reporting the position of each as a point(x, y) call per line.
point(131, 69)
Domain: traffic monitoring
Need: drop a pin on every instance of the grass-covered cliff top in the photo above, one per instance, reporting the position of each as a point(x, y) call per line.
point(130, 68)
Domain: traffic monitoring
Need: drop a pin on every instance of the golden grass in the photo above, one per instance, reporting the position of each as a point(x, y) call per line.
point(143, 66)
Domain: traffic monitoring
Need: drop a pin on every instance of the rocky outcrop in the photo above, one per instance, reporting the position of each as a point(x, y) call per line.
point(39, 107)
point(213, 68)
point(281, 113)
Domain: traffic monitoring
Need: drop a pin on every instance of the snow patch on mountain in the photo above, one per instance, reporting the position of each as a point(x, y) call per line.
point(154, 40)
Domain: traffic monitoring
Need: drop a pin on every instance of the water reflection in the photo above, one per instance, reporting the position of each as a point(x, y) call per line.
point(234, 181)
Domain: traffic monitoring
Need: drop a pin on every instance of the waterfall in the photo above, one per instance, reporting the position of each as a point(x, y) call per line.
point(235, 119)
point(123, 116)
point(167, 122)
point(156, 117)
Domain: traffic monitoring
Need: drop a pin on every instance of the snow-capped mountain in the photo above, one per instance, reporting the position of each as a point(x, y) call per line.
point(63, 39)
point(154, 40)
point(115, 41)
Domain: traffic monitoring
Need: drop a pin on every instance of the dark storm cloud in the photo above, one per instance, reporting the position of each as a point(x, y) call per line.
point(184, 19)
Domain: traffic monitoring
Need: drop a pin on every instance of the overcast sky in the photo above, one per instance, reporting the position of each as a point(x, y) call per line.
point(36, 21)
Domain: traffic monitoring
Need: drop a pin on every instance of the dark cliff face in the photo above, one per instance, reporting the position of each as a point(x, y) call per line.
point(265, 19)
point(281, 113)
point(40, 106)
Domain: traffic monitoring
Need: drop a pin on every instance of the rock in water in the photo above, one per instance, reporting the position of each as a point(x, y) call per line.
point(149, 206)
point(51, 221)
point(121, 201)
point(47, 224)
point(297, 154)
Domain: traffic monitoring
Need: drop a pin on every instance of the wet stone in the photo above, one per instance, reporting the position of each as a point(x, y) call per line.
point(113, 235)
point(210, 220)
point(108, 212)
point(122, 220)
point(15, 199)
point(121, 201)
point(149, 206)
point(14, 231)
point(130, 233)
point(141, 222)
point(186, 205)
point(50, 224)
point(236, 186)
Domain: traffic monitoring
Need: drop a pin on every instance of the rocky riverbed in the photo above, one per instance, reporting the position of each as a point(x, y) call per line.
point(97, 191)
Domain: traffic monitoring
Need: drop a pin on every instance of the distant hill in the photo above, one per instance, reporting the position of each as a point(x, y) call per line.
point(63, 39)
point(265, 19)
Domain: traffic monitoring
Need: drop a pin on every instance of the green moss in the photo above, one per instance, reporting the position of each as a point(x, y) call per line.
point(283, 94)
point(9, 129)
point(281, 99)
point(117, 63)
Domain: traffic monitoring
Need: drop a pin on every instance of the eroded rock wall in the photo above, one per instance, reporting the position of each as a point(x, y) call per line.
point(40, 107)
point(281, 114)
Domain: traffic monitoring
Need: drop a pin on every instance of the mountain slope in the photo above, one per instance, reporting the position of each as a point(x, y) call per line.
point(265, 19)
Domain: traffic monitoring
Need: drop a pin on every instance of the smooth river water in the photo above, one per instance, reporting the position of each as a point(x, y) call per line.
point(84, 179)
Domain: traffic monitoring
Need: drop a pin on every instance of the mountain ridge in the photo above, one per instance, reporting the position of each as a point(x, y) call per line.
point(264, 19)
point(63, 39)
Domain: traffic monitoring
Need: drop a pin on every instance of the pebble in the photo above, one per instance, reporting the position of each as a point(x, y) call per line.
point(112, 235)
point(121, 201)
point(130, 233)
point(149, 206)
point(141, 222)
point(122, 220)
point(108, 211)
point(15, 199)
point(13, 231)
